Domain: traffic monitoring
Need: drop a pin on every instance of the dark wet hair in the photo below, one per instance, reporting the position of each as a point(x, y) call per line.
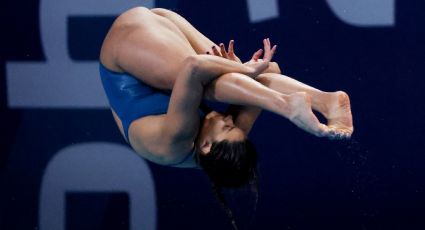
point(230, 165)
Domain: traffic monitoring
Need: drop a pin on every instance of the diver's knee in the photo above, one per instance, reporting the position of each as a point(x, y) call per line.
point(274, 68)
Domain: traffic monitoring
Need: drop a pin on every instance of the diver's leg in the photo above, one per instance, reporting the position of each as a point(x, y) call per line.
point(335, 106)
point(200, 43)
point(287, 85)
point(240, 89)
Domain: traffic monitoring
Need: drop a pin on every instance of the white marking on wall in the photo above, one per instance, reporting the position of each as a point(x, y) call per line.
point(364, 13)
point(61, 82)
point(262, 10)
point(97, 167)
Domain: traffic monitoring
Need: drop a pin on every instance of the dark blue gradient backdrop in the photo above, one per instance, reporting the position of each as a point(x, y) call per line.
point(374, 181)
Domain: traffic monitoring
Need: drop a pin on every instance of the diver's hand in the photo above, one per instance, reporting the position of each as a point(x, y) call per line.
point(261, 66)
point(268, 52)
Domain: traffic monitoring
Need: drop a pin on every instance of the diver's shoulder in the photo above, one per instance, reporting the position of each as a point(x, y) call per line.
point(148, 138)
point(168, 155)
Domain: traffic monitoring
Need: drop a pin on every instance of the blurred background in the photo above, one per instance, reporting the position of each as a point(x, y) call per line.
point(64, 165)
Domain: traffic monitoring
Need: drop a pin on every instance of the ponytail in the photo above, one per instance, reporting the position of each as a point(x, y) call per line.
point(230, 165)
point(220, 198)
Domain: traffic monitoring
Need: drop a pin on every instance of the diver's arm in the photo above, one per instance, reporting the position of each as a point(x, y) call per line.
point(197, 73)
point(244, 116)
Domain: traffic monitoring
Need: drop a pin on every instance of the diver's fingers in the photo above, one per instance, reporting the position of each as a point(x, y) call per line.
point(268, 50)
point(231, 47)
point(223, 51)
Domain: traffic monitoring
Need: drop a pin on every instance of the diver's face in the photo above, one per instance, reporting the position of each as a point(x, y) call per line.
point(217, 127)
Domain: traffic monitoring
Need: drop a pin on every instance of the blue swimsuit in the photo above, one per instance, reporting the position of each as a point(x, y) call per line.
point(132, 99)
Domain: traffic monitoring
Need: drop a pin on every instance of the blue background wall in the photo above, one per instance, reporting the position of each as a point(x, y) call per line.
point(374, 181)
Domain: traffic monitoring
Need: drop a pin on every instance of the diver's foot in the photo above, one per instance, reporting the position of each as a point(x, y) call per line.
point(303, 116)
point(340, 120)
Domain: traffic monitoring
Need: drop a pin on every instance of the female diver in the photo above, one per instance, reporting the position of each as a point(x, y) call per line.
point(156, 70)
